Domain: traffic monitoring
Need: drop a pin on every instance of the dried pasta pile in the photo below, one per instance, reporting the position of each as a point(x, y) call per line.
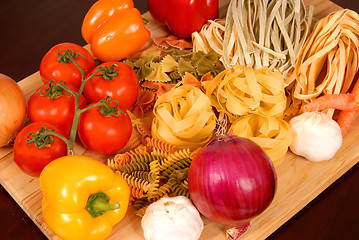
point(153, 170)
point(240, 90)
point(258, 33)
point(184, 117)
point(271, 133)
point(327, 62)
point(254, 101)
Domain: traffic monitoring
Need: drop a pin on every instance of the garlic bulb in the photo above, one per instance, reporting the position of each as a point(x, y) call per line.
point(316, 136)
point(172, 218)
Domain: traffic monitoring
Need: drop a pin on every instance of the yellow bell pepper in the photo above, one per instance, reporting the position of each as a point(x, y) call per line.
point(82, 198)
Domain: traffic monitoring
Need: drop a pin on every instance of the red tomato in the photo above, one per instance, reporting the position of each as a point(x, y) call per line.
point(29, 157)
point(51, 68)
point(104, 134)
point(123, 88)
point(59, 111)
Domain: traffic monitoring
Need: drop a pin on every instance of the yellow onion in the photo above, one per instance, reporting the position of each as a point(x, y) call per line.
point(12, 109)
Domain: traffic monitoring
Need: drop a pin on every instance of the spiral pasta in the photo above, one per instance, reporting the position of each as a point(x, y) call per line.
point(163, 190)
point(155, 173)
point(136, 192)
point(123, 158)
point(144, 175)
point(173, 158)
point(179, 164)
point(133, 167)
point(154, 143)
point(133, 181)
point(114, 165)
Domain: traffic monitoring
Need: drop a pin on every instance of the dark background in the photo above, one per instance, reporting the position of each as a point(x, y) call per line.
point(28, 29)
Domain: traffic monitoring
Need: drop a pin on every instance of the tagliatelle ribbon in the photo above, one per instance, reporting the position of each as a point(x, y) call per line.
point(270, 133)
point(242, 90)
point(257, 33)
point(184, 117)
point(328, 61)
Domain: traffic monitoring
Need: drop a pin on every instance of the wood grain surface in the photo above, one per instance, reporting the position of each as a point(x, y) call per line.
point(299, 181)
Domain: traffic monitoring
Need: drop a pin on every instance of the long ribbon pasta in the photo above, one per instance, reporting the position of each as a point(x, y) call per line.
point(328, 61)
point(184, 117)
point(257, 33)
point(239, 90)
point(270, 133)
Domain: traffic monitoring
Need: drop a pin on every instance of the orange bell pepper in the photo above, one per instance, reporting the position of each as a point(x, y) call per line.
point(114, 29)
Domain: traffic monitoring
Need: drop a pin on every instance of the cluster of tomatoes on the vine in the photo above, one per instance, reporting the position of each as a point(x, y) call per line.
point(78, 98)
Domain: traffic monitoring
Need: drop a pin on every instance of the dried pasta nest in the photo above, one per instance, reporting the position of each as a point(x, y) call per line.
point(184, 117)
point(328, 61)
point(240, 90)
point(270, 133)
point(257, 33)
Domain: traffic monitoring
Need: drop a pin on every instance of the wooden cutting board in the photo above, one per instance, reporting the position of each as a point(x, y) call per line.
point(299, 180)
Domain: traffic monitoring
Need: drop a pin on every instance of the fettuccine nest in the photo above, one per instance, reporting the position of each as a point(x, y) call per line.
point(328, 61)
point(184, 117)
point(258, 33)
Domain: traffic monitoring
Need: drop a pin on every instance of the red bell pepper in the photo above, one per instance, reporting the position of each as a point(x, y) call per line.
point(183, 17)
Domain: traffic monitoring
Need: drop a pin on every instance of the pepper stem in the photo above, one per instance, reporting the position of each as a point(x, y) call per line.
point(98, 204)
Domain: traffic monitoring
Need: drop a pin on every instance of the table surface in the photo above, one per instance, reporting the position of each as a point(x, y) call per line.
point(29, 29)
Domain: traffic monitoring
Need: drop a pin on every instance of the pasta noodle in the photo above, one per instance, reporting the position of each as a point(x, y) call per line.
point(175, 157)
point(183, 117)
point(133, 181)
point(241, 90)
point(155, 173)
point(257, 33)
point(160, 145)
point(328, 61)
point(270, 133)
point(136, 192)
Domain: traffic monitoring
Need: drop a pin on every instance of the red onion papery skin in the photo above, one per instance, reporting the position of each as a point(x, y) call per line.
point(232, 180)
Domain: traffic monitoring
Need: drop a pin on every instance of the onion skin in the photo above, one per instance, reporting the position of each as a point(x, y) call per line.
point(12, 110)
point(231, 180)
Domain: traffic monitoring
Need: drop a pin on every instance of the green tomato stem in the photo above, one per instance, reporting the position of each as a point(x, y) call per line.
point(44, 137)
point(67, 141)
point(77, 96)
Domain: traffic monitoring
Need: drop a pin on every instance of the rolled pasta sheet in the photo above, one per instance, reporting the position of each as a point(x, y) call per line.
point(184, 117)
point(270, 133)
point(240, 90)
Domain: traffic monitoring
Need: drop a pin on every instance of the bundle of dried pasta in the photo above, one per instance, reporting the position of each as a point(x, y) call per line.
point(184, 117)
point(327, 62)
point(258, 33)
point(239, 90)
point(270, 133)
point(153, 170)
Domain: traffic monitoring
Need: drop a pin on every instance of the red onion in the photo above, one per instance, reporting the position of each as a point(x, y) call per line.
point(231, 180)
